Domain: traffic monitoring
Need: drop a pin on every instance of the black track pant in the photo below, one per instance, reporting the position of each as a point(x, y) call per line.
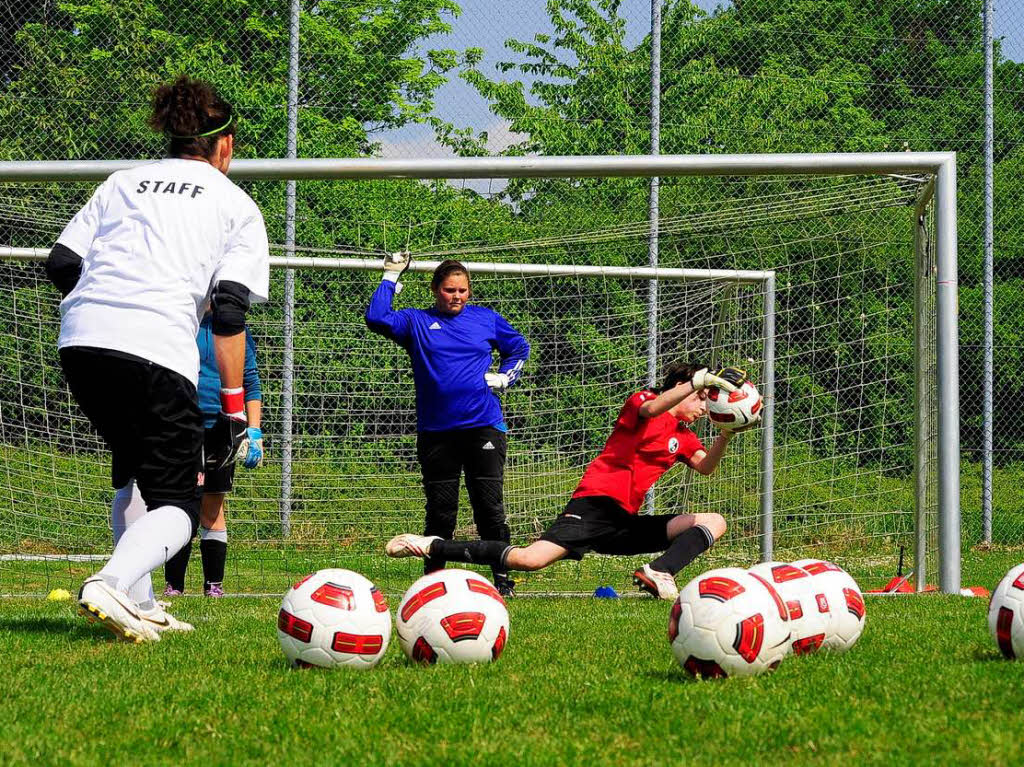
point(443, 456)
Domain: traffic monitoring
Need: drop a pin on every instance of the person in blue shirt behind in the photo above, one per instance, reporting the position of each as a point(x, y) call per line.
point(459, 422)
point(213, 534)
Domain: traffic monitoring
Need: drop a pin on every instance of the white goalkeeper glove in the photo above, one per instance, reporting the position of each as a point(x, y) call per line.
point(497, 381)
point(729, 378)
point(395, 265)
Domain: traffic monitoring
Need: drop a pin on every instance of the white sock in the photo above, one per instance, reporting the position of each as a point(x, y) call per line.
point(147, 544)
point(129, 508)
point(205, 534)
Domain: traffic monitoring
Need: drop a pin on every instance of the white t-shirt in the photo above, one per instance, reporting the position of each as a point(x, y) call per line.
point(154, 241)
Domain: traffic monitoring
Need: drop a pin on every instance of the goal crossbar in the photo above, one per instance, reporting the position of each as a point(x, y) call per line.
point(517, 167)
point(736, 276)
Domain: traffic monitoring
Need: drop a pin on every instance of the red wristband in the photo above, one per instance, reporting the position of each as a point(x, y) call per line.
point(232, 401)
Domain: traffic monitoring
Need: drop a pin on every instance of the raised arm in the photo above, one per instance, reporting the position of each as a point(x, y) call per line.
point(729, 378)
point(381, 317)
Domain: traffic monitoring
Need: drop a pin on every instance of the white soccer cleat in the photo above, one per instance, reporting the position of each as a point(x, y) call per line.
point(115, 611)
point(656, 583)
point(410, 545)
point(162, 621)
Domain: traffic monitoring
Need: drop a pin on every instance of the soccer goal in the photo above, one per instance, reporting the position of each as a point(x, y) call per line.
point(831, 278)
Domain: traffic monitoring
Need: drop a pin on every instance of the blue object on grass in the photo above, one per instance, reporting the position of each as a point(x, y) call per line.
point(605, 592)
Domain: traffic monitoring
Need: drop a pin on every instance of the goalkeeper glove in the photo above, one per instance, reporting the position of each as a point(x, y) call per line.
point(729, 378)
point(254, 456)
point(496, 381)
point(395, 265)
point(228, 436)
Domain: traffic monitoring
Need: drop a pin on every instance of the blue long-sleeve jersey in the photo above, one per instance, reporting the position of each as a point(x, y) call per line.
point(450, 354)
point(209, 377)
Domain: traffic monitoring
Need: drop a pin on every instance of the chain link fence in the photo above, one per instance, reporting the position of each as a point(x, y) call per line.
point(1008, 272)
point(443, 77)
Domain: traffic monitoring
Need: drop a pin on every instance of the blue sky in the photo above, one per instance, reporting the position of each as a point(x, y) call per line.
point(488, 23)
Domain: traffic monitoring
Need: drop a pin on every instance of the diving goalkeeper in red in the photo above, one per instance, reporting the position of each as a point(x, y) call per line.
point(651, 433)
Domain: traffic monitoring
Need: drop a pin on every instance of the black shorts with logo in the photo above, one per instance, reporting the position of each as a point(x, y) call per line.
point(221, 480)
point(149, 417)
point(597, 523)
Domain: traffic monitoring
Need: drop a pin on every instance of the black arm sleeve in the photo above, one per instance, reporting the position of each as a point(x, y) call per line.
point(63, 267)
point(230, 303)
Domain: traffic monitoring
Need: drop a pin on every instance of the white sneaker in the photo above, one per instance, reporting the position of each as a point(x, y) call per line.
point(162, 621)
point(409, 545)
point(115, 611)
point(654, 582)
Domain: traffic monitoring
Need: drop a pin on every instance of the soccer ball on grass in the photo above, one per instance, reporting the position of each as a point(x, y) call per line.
point(334, 618)
point(835, 589)
point(1006, 613)
point(727, 622)
point(809, 618)
point(452, 616)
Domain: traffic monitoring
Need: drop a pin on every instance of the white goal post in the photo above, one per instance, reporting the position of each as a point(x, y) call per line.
point(935, 294)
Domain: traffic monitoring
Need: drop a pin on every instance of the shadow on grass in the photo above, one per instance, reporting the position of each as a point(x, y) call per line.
point(71, 626)
point(990, 655)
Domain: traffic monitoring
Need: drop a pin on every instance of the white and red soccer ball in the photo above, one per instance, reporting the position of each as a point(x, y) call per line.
point(1006, 613)
point(734, 410)
point(334, 618)
point(728, 622)
point(833, 589)
point(810, 617)
point(452, 616)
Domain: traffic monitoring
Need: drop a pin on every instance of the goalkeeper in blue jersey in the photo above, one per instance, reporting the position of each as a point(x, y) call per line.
point(459, 423)
point(213, 533)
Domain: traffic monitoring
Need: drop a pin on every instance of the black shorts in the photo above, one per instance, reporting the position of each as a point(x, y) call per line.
point(149, 417)
point(220, 481)
point(598, 523)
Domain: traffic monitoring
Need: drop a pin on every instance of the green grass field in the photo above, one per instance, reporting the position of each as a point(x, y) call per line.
point(582, 681)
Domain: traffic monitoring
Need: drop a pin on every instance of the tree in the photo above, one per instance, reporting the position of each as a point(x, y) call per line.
point(763, 76)
point(82, 75)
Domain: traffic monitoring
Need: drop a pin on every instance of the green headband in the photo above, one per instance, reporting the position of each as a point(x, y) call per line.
point(209, 132)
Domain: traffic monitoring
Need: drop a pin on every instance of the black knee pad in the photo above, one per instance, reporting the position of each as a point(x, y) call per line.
point(442, 501)
point(488, 497)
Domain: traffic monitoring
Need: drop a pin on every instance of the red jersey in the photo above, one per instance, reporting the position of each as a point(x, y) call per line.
point(636, 454)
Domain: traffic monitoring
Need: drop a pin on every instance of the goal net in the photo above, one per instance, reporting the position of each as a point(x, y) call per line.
point(822, 285)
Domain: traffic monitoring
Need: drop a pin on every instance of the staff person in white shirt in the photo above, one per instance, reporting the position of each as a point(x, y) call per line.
point(137, 266)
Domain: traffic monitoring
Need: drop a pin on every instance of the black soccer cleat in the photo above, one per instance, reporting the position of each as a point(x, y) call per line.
point(505, 586)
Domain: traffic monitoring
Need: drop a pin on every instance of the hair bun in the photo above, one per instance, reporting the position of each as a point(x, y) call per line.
point(186, 108)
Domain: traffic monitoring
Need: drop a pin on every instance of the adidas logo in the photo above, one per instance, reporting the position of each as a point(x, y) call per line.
point(488, 445)
point(435, 326)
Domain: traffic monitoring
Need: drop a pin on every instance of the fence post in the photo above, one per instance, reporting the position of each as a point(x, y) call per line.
point(652, 212)
point(288, 363)
point(987, 285)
